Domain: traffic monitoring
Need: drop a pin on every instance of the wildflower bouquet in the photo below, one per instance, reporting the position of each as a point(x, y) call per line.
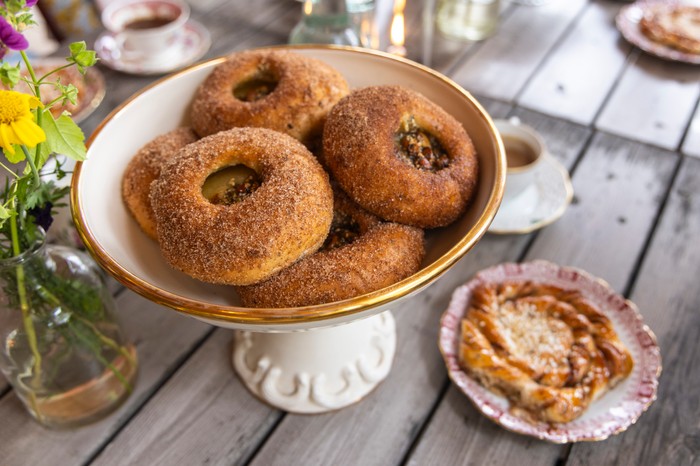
point(55, 324)
point(29, 133)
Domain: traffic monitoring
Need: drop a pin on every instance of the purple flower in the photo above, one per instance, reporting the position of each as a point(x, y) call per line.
point(10, 38)
point(42, 215)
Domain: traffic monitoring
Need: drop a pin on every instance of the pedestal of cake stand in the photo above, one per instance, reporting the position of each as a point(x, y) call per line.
point(317, 370)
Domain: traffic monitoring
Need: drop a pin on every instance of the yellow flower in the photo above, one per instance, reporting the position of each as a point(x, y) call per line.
point(17, 121)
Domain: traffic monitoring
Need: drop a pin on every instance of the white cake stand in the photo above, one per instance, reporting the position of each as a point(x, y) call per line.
point(311, 359)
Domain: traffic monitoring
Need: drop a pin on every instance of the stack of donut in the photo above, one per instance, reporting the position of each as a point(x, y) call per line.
point(296, 190)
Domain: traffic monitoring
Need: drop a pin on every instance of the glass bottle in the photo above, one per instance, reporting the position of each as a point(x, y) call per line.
point(62, 349)
point(468, 19)
point(325, 22)
point(362, 18)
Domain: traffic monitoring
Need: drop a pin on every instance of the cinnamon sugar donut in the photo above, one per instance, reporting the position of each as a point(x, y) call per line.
point(145, 167)
point(274, 89)
point(400, 156)
point(246, 234)
point(360, 255)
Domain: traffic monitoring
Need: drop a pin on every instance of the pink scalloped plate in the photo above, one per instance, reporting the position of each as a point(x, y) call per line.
point(613, 412)
point(627, 22)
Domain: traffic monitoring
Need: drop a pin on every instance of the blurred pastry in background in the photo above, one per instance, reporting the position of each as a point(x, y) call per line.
point(674, 25)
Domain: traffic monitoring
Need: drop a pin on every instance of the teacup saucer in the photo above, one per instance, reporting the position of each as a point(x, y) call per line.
point(192, 45)
point(540, 204)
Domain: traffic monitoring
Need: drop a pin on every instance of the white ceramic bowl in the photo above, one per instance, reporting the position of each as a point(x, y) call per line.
point(120, 247)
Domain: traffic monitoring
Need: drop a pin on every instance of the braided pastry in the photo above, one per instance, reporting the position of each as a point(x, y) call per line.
point(547, 349)
point(676, 26)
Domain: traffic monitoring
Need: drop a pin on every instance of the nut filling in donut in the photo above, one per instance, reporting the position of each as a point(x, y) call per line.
point(420, 148)
point(230, 185)
point(344, 230)
point(256, 88)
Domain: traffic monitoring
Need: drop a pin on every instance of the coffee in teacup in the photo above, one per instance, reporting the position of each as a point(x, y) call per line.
point(146, 29)
point(524, 150)
point(518, 152)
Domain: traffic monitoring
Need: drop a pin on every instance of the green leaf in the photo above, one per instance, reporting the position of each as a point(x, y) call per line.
point(9, 75)
point(4, 213)
point(69, 93)
point(35, 197)
point(63, 137)
point(14, 6)
point(17, 157)
point(27, 19)
point(81, 56)
point(23, 184)
point(77, 47)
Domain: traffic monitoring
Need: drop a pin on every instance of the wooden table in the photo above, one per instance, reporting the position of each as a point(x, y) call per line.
point(625, 124)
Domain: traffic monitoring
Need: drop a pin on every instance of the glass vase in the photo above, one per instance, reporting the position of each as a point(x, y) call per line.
point(325, 22)
point(468, 19)
point(63, 351)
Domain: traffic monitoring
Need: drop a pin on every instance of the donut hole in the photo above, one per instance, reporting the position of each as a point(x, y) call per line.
point(344, 230)
point(255, 88)
point(230, 184)
point(418, 147)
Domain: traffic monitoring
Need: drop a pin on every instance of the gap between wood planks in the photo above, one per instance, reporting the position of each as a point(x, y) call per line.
point(686, 131)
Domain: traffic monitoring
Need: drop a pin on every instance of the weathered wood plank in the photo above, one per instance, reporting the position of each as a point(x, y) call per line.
point(502, 66)
point(691, 144)
point(618, 188)
point(668, 297)
point(496, 109)
point(162, 338)
point(578, 75)
point(653, 102)
point(202, 398)
point(458, 433)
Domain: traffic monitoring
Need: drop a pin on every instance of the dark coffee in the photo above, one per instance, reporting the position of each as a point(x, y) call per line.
point(148, 23)
point(518, 152)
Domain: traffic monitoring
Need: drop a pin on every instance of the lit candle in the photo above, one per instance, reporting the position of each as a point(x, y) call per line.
point(398, 32)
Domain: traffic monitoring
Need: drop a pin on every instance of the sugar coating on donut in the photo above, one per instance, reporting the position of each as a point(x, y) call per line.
point(381, 255)
point(361, 137)
point(145, 167)
point(286, 218)
point(297, 92)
